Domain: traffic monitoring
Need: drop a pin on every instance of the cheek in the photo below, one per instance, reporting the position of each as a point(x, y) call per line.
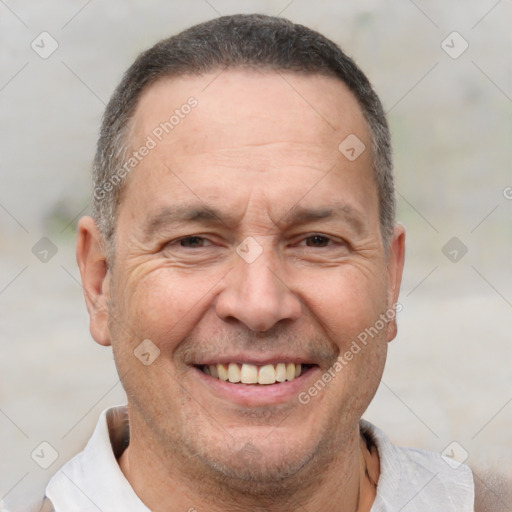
point(162, 305)
point(346, 300)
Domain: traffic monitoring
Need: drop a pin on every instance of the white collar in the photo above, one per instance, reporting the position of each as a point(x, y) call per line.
point(93, 481)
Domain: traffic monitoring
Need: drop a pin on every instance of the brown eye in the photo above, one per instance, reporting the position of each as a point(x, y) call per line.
point(193, 242)
point(317, 241)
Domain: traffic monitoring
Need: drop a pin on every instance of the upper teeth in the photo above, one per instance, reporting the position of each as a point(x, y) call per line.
point(252, 374)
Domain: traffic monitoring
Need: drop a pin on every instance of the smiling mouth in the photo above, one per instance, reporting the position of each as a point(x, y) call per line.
point(255, 374)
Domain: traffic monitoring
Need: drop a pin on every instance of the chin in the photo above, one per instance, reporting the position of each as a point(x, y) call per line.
point(261, 478)
point(258, 466)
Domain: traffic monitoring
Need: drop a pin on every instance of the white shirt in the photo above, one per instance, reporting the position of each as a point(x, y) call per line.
point(410, 480)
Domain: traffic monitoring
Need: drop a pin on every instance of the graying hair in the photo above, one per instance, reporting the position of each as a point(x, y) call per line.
point(233, 42)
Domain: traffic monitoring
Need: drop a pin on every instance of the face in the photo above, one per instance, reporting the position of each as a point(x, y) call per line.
point(246, 239)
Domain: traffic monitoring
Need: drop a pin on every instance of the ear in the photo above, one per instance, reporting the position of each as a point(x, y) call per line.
point(95, 275)
point(395, 267)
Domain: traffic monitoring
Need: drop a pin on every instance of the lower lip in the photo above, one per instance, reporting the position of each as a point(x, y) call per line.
point(258, 394)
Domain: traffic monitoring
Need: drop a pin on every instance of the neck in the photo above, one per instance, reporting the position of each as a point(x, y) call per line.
point(170, 481)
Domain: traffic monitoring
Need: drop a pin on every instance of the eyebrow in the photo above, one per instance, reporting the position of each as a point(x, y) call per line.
point(298, 215)
point(170, 215)
point(302, 215)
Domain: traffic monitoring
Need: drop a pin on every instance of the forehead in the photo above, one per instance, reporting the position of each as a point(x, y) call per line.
point(273, 102)
point(253, 129)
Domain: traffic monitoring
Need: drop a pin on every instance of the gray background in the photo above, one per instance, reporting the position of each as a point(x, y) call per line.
point(448, 376)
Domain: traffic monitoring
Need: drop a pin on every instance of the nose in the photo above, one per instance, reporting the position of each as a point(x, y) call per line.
point(257, 295)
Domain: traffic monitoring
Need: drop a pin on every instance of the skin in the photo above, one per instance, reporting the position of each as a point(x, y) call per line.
point(259, 146)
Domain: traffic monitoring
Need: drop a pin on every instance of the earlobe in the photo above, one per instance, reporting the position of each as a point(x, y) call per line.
point(95, 276)
point(396, 257)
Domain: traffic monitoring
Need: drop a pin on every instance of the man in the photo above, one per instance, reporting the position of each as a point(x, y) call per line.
point(244, 263)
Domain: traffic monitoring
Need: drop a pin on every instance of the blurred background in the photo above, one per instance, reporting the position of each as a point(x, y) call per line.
point(443, 72)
